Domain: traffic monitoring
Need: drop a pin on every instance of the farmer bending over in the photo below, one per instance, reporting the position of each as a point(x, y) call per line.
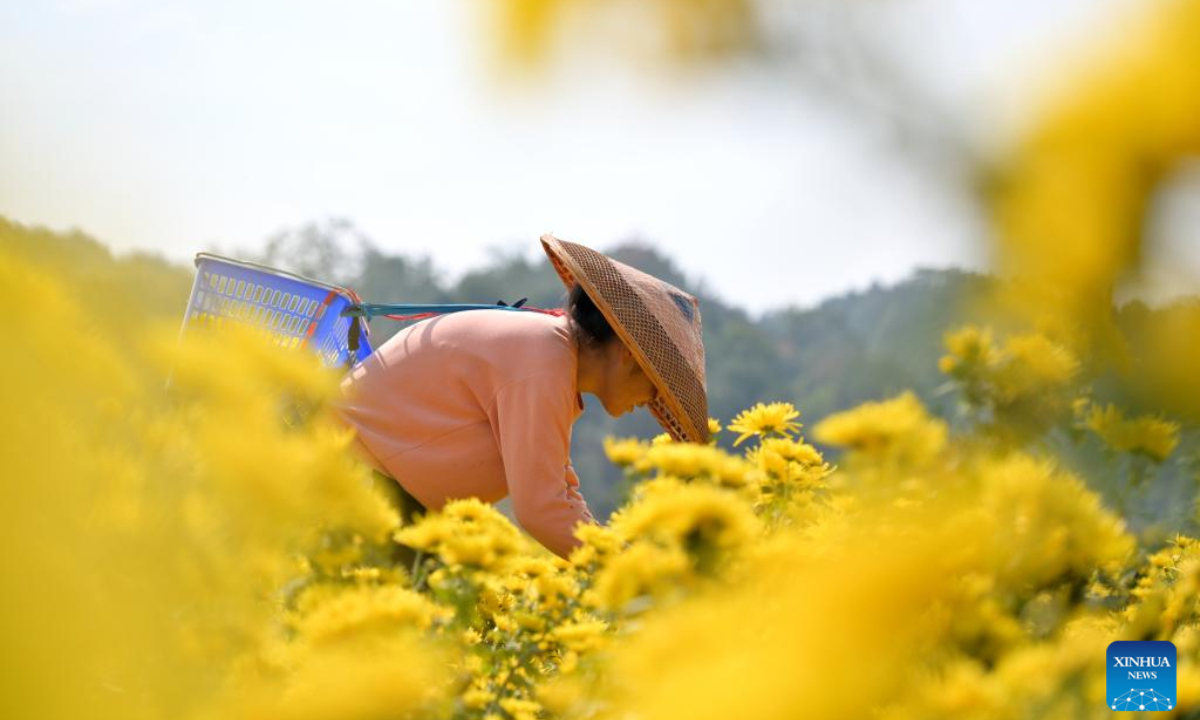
point(480, 403)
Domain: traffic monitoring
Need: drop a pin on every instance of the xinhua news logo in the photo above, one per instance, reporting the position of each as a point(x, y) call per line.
point(1141, 675)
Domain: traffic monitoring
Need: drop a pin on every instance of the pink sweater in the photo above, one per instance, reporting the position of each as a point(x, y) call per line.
point(476, 403)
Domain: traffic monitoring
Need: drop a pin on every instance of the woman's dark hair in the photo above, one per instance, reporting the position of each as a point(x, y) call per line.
point(592, 325)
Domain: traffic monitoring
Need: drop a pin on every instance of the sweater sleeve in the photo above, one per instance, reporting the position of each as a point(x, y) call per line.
point(532, 418)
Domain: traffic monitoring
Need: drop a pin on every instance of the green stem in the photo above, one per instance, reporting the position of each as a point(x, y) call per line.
point(418, 579)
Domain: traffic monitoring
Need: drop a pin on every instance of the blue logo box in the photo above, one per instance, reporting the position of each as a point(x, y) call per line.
point(1141, 675)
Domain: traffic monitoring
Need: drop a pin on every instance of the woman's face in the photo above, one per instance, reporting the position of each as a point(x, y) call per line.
point(626, 384)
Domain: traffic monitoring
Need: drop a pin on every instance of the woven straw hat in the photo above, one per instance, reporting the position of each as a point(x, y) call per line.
point(657, 321)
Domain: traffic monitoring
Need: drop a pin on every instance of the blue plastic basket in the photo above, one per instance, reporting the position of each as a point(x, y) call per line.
point(295, 310)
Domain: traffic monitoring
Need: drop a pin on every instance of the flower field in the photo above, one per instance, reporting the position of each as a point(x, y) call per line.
point(213, 551)
point(209, 549)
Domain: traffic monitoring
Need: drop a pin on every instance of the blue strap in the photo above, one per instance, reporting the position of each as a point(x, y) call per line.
point(370, 310)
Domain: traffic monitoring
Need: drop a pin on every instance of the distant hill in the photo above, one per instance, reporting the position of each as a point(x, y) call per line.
point(135, 285)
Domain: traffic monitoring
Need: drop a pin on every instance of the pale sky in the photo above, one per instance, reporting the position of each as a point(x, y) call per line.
point(182, 127)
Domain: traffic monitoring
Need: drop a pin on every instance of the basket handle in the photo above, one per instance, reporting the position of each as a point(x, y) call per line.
point(407, 311)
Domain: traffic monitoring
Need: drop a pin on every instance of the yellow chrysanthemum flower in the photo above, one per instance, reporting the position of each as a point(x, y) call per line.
point(791, 450)
point(624, 452)
point(599, 543)
point(1048, 524)
point(899, 427)
point(478, 696)
point(466, 532)
point(776, 418)
point(1146, 435)
point(643, 570)
point(520, 709)
point(699, 519)
point(581, 637)
point(368, 610)
point(967, 347)
point(1033, 362)
point(690, 461)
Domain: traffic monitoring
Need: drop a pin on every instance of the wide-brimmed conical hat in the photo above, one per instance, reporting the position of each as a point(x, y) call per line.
point(657, 321)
